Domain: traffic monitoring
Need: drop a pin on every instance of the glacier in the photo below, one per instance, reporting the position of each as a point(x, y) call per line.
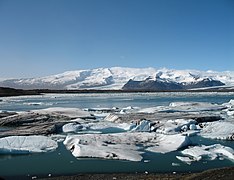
point(116, 78)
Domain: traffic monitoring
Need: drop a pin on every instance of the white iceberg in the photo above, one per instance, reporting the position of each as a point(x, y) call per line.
point(125, 146)
point(229, 104)
point(218, 130)
point(212, 152)
point(109, 127)
point(143, 126)
point(26, 144)
point(169, 143)
point(97, 127)
point(176, 126)
point(107, 146)
point(230, 108)
point(112, 118)
point(73, 127)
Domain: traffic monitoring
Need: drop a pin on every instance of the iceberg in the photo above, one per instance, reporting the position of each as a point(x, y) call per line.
point(176, 126)
point(107, 146)
point(125, 146)
point(73, 127)
point(212, 152)
point(195, 106)
point(185, 107)
point(97, 127)
point(143, 126)
point(26, 144)
point(62, 111)
point(223, 130)
point(230, 108)
point(169, 143)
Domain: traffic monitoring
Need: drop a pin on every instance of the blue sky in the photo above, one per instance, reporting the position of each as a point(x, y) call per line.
point(43, 37)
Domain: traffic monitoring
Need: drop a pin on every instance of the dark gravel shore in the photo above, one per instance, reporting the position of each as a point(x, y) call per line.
point(213, 174)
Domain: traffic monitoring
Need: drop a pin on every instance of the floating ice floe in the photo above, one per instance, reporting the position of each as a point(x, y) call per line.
point(229, 104)
point(153, 109)
point(37, 104)
point(212, 152)
point(109, 127)
point(125, 146)
point(168, 143)
point(129, 109)
point(230, 108)
point(195, 106)
point(102, 110)
point(61, 111)
point(184, 107)
point(218, 130)
point(26, 144)
point(176, 126)
point(97, 127)
point(73, 127)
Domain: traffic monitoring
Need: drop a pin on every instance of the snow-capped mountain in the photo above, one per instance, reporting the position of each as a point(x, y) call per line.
point(117, 77)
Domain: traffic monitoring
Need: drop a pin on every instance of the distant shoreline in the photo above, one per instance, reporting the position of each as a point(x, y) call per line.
point(6, 92)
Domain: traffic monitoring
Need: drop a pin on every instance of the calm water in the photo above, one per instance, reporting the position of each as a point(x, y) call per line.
point(108, 100)
point(62, 162)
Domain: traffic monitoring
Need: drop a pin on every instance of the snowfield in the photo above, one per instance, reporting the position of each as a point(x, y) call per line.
point(116, 78)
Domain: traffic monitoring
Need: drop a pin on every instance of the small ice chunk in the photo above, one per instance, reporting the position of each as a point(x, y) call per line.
point(230, 112)
point(112, 118)
point(192, 127)
point(187, 160)
point(175, 164)
point(73, 127)
point(144, 126)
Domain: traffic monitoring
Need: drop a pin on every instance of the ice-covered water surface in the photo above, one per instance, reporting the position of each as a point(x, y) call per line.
point(95, 100)
point(112, 111)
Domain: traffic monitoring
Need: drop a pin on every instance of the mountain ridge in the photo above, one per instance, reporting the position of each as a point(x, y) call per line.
point(116, 78)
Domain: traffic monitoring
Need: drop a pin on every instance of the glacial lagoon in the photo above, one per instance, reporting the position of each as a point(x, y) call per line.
point(62, 162)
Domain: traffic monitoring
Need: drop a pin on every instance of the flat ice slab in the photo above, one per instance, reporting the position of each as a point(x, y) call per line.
point(168, 143)
point(61, 111)
point(125, 146)
point(185, 107)
point(26, 144)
